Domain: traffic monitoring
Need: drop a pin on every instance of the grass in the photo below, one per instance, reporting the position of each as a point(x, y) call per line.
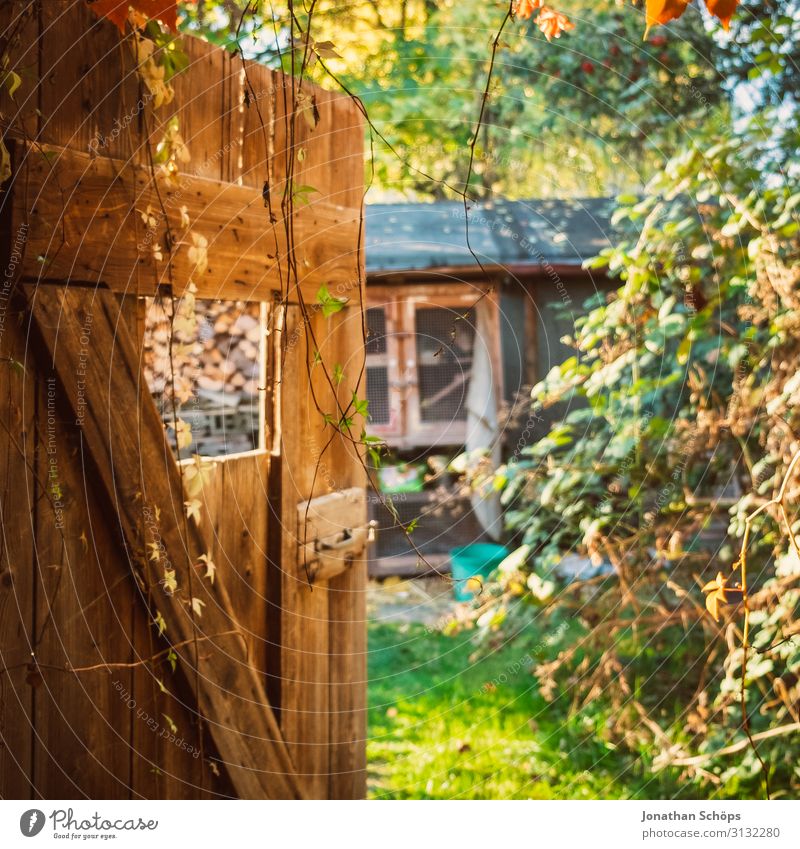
point(437, 731)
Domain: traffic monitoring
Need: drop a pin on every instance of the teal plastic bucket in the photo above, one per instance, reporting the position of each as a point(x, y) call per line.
point(478, 560)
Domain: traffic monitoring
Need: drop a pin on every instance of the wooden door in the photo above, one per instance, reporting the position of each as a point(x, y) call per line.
point(283, 614)
point(322, 679)
point(128, 668)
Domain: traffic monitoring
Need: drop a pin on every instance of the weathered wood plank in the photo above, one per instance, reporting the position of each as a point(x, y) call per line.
point(85, 224)
point(348, 681)
point(19, 31)
point(83, 619)
point(90, 93)
point(318, 621)
point(305, 696)
point(143, 486)
point(17, 508)
point(200, 105)
point(347, 591)
point(170, 754)
point(239, 516)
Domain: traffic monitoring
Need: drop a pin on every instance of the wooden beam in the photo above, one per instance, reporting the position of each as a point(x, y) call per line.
point(87, 223)
point(82, 337)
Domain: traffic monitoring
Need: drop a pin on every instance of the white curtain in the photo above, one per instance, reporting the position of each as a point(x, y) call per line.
point(482, 425)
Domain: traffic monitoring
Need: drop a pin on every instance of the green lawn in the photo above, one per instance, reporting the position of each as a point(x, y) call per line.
point(437, 732)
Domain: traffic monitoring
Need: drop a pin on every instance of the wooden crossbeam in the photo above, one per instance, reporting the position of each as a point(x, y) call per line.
point(80, 334)
point(102, 221)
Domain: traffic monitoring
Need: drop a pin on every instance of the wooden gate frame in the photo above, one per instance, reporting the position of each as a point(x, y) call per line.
point(79, 211)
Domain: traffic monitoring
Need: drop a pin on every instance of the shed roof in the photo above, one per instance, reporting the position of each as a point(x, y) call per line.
point(420, 236)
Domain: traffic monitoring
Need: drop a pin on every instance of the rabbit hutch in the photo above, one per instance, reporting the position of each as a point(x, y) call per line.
point(451, 357)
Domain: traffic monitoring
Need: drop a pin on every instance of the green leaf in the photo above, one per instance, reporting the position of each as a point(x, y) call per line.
point(329, 304)
point(303, 194)
point(360, 405)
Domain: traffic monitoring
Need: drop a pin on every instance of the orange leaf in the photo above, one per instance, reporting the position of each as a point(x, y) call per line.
point(722, 9)
point(720, 593)
point(553, 23)
point(117, 11)
point(712, 605)
point(525, 8)
point(663, 11)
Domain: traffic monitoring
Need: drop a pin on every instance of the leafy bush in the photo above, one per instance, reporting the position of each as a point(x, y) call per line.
point(680, 417)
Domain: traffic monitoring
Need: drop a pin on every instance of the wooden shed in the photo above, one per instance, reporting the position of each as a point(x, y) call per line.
point(192, 628)
point(457, 338)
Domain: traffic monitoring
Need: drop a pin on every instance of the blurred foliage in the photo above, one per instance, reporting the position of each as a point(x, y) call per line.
point(681, 399)
point(763, 50)
point(589, 113)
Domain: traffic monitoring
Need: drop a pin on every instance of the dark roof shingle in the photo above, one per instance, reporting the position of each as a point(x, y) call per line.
point(419, 236)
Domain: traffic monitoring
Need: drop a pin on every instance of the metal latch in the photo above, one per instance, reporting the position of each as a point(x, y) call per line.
point(333, 533)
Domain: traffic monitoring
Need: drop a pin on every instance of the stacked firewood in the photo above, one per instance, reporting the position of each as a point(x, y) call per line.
point(219, 359)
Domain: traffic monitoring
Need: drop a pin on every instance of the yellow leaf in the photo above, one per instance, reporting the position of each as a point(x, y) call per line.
point(160, 623)
point(682, 354)
point(712, 605)
point(193, 510)
point(5, 162)
point(211, 569)
point(198, 253)
point(169, 582)
point(183, 434)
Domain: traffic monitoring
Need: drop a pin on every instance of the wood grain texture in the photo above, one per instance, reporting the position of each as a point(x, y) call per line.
point(238, 514)
point(85, 225)
point(323, 677)
point(17, 509)
point(82, 179)
point(304, 608)
point(19, 29)
point(142, 485)
point(88, 84)
point(83, 618)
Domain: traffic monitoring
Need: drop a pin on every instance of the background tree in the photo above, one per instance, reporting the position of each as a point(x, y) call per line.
point(590, 113)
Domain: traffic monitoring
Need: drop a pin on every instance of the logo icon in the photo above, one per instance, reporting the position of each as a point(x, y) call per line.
point(31, 822)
